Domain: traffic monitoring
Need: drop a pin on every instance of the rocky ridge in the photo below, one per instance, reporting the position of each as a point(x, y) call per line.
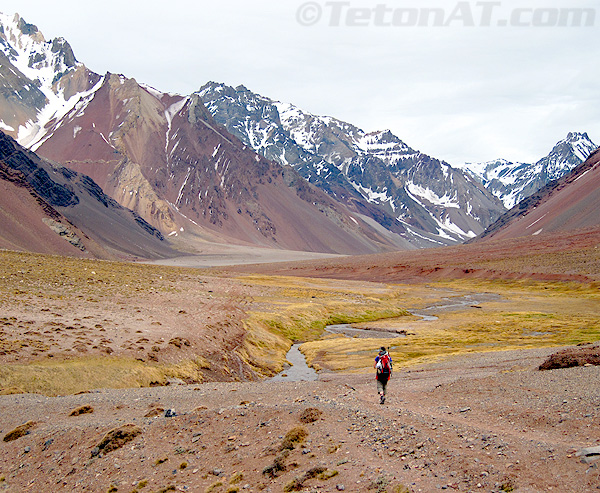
point(424, 199)
point(513, 182)
point(72, 206)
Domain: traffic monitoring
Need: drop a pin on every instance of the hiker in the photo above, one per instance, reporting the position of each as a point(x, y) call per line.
point(383, 365)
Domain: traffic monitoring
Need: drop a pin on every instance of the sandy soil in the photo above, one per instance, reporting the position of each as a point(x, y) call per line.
point(155, 319)
point(572, 256)
point(217, 255)
point(490, 423)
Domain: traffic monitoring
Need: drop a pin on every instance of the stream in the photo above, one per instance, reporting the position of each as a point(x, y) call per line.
point(299, 371)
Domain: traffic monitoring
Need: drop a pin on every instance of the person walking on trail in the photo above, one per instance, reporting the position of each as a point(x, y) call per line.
point(383, 365)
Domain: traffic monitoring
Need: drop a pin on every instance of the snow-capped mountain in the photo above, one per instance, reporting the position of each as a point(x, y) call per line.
point(292, 180)
point(569, 204)
point(40, 80)
point(512, 182)
point(374, 173)
point(163, 156)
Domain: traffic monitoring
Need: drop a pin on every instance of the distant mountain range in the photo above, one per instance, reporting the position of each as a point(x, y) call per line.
point(375, 174)
point(512, 182)
point(377, 171)
point(570, 203)
point(227, 165)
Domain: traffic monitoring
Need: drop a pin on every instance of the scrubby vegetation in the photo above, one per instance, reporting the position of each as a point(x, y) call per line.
point(71, 325)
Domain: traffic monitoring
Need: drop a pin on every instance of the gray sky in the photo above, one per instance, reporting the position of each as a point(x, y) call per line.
point(500, 79)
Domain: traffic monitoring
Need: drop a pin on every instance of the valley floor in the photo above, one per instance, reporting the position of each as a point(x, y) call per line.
point(458, 417)
point(490, 422)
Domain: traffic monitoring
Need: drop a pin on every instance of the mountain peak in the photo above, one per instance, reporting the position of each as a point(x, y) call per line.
point(25, 27)
point(38, 59)
point(512, 182)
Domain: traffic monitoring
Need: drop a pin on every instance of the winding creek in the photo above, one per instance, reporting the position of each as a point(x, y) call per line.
point(300, 371)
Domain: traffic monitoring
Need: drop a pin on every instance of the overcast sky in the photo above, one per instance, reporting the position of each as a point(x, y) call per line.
point(500, 79)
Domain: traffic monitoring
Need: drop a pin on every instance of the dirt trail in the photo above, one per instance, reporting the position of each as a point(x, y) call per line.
point(479, 423)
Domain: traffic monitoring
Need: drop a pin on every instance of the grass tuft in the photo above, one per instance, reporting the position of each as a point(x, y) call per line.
point(118, 437)
point(19, 431)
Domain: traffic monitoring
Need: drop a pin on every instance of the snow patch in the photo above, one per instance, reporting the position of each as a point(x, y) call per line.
point(6, 127)
point(431, 197)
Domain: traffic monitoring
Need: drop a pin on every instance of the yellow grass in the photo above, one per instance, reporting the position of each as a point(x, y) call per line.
point(78, 375)
point(529, 315)
point(278, 310)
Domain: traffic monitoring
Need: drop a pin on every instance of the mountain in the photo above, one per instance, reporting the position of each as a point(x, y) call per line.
point(42, 205)
point(39, 80)
point(163, 155)
point(512, 182)
point(376, 174)
point(564, 205)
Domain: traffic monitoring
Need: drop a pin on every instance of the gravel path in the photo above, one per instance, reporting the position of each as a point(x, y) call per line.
point(489, 422)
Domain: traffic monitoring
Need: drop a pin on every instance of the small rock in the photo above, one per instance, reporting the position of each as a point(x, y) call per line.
point(169, 413)
point(27, 449)
point(465, 409)
point(95, 451)
point(340, 487)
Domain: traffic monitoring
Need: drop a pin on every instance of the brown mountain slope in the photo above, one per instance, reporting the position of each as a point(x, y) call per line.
point(164, 157)
point(22, 215)
point(567, 204)
point(42, 205)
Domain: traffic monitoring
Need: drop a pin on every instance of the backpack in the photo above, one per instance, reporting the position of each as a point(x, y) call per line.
point(384, 367)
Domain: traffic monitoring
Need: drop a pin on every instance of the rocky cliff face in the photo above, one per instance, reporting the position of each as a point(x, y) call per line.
point(39, 197)
point(513, 182)
point(376, 174)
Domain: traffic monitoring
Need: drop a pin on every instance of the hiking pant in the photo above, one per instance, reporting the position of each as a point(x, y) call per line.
point(382, 386)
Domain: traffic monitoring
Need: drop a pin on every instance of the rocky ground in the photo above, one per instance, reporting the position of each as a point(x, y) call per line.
point(486, 421)
point(491, 422)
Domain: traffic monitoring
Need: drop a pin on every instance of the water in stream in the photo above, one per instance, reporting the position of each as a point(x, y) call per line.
point(299, 371)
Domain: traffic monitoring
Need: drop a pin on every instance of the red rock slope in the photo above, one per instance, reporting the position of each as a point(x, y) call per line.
point(50, 209)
